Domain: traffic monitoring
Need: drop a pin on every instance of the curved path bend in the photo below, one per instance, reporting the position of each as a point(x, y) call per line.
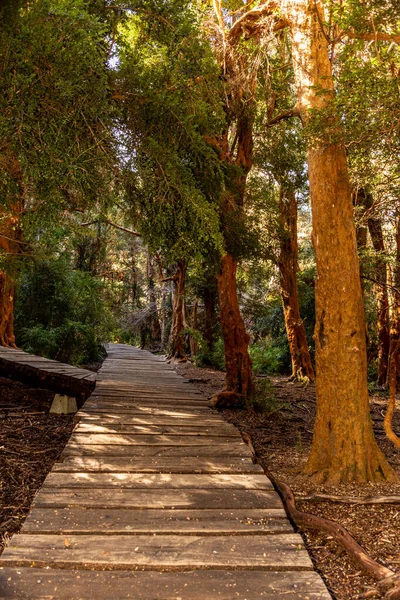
point(155, 497)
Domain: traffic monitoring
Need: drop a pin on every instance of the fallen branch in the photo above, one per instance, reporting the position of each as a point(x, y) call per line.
point(388, 580)
point(351, 500)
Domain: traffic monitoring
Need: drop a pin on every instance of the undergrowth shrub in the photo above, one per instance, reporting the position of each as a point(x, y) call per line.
point(61, 314)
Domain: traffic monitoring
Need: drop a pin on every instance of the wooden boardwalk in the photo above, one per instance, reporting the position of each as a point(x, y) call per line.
point(155, 498)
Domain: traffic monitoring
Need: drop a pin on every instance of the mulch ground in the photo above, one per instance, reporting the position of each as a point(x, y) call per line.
point(31, 440)
point(282, 440)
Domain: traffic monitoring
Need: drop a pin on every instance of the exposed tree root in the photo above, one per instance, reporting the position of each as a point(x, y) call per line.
point(388, 580)
point(226, 399)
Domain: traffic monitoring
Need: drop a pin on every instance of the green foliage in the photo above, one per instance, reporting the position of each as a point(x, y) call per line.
point(268, 357)
point(214, 358)
point(263, 401)
point(55, 113)
point(172, 174)
point(60, 313)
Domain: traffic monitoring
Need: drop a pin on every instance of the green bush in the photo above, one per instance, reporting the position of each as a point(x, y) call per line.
point(60, 313)
point(211, 358)
point(268, 357)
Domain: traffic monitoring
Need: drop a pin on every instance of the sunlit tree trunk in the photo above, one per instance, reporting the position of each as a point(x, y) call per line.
point(177, 349)
point(239, 376)
point(302, 368)
point(344, 447)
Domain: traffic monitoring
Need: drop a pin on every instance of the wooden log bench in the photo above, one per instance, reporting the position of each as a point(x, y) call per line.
point(71, 385)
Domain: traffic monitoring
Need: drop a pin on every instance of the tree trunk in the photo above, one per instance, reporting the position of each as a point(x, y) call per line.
point(7, 291)
point(10, 244)
point(302, 368)
point(209, 299)
point(177, 348)
point(361, 228)
point(154, 320)
point(344, 447)
point(376, 233)
point(395, 325)
point(193, 344)
point(239, 376)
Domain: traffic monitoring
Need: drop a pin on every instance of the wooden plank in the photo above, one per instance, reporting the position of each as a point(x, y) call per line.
point(156, 481)
point(148, 414)
point(152, 401)
point(218, 430)
point(145, 392)
point(146, 440)
point(144, 410)
point(173, 464)
point(51, 584)
point(232, 449)
point(122, 421)
point(65, 521)
point(148, 498)
point(164, 397)
point(283, 552)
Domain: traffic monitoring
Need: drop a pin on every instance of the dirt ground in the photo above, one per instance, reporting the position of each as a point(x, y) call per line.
point(282, 439)
point(31, 441)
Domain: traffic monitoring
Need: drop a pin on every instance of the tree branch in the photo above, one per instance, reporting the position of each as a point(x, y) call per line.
point(373, 37)
point(293, 112)
point(253, 21)
point(125, 229)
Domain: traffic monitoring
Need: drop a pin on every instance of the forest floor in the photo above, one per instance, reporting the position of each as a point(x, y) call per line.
point(282, 439)
point(31, 440)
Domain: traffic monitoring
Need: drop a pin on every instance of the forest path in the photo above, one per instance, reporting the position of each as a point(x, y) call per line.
point(155, 497)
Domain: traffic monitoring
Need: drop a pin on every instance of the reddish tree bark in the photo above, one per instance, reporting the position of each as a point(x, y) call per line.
point(7, 292)
point(344, 447)
point(11, 245)
point(238, 364)
point(177, 349)
point(288, 266)
point(210, 299)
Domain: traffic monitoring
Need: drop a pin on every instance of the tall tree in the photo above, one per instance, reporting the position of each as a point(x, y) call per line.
point(302, 368)
point(344, 447)
point(55, 106)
